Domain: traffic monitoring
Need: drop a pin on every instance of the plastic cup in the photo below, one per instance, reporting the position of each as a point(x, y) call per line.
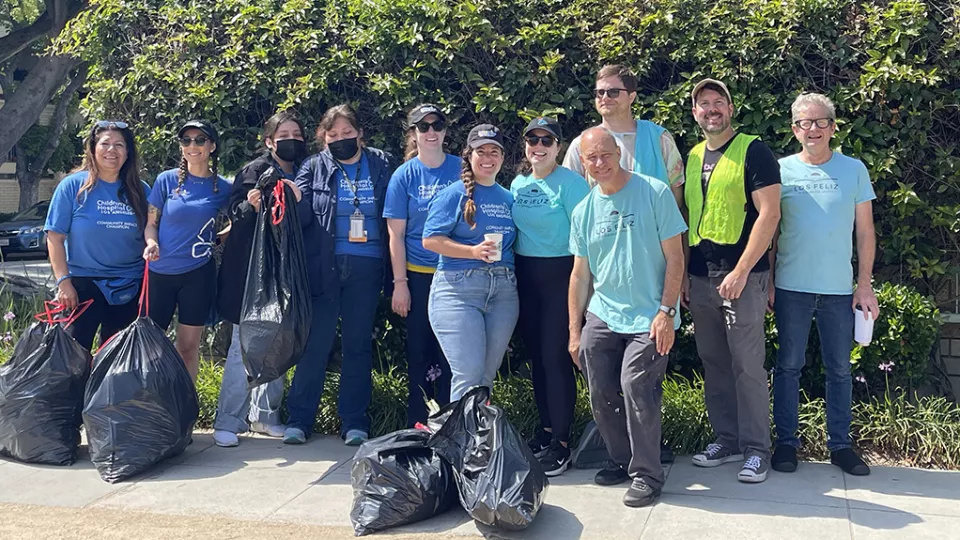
point(862, 328)
point(497, 238)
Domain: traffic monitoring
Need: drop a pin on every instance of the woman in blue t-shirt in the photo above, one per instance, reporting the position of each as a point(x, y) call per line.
point(545, 195)
point(426, 171)
point(95, 233)
point(181, 230)
point(345, 239)
point(473, 302)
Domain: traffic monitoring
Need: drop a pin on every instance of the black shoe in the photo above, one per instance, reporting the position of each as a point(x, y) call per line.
point(666, 453)
point(850, 462)
point(555, 459)
point(539, 444)
point(611, 476)
point(639, 494)
point(784, 459)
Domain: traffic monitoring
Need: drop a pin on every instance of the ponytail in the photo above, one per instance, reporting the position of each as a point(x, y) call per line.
point(181, 175)
point(410, 149)
point(466, 176)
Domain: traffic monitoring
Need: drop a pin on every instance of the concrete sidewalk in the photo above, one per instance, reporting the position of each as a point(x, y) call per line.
point(264, 489)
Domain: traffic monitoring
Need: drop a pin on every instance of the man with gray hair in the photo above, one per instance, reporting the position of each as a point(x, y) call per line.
point(825, 198)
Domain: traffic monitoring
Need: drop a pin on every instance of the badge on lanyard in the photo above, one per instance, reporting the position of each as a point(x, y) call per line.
point(357, 233)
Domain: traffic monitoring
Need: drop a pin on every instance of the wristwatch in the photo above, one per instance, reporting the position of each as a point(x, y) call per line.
point(670, 311)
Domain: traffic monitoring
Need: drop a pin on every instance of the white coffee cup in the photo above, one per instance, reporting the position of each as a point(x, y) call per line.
point(862, 328)
point(497, 238)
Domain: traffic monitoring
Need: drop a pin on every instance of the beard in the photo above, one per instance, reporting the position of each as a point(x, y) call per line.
point(720, 127)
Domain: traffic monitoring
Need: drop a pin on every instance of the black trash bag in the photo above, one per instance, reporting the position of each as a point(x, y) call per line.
point(398, 479)
point(141, 404)
point(501, 483)
point(277, 310)
point(41, 396)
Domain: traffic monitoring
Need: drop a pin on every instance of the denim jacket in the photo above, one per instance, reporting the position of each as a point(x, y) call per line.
point(317, 211)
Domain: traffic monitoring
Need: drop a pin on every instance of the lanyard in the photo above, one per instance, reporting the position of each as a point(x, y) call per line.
point(354, 184)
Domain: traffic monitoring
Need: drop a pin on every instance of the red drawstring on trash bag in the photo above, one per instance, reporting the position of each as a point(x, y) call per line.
point(279, 209)
point(51, 308)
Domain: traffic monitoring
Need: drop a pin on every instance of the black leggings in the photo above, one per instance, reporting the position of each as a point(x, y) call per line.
point(108, 318)
point(542, 283)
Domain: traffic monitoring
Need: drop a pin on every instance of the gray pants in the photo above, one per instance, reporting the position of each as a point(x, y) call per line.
point(237, 404)
point(624, 373)
point(731, 343)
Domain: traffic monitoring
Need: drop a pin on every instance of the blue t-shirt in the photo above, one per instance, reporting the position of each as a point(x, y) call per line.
point(103, 239)
point(620, 236)
point(411, 188)
point(345, 209)
point(542, 210)
point(817, 213)
point(188, 218)
point(445, 218)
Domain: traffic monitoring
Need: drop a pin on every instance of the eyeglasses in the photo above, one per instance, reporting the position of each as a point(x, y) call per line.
point(437, 125)
point(545, 140)
point(199, 141)
point(613, 93)
point(808, 123)
point(110, 124)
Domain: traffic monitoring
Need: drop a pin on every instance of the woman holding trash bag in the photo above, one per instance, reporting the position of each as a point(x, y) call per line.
point(473, 302)
point(426, 171)
point(95, 229)
point(545, 195)
point(180, 234)
point(345, 239)
point(238, 408)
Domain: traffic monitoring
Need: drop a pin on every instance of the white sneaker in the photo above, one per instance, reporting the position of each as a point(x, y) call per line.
point(270, 430)
point(225, 439)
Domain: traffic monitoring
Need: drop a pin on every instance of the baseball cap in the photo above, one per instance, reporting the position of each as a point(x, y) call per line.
point(704, 82)
point(485, 134)
point(550, 125)
point(204, 126)
point(422, 111)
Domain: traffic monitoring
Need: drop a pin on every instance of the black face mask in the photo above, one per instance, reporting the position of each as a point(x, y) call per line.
point(344, 149)
point(291, 150)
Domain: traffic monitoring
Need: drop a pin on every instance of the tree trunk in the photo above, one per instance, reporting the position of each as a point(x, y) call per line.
point(28, 180)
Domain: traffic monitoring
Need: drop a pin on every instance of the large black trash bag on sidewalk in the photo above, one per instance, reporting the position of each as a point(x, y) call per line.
point(277, 310)
point(41, 395)
point(398, 479)
point(141, 404)
point(501, 484)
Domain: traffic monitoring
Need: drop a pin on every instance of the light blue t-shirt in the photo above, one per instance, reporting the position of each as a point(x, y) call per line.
point(445, 218)
point(817, 212)
point(411, 188)
point(542, 210)
point(188, 218)
point(620, 236)
point(368, 206)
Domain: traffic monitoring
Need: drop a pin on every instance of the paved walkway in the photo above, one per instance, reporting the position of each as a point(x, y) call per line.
point(263, 489)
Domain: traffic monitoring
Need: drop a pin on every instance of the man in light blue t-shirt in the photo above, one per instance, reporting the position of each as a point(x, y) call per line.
point(825, 199)
point(626, 240)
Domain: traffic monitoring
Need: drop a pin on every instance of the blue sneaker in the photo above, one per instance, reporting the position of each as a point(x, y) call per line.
point(355, 437)
point(294, 435)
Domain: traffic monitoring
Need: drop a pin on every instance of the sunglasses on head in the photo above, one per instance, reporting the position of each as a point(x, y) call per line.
point(545, 140)
point(423, 125)
point(613, 93)
point(110, 124)
point(199, 141)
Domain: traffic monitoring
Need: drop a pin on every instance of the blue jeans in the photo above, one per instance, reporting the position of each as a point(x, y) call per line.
point(354, 303)
point(834, 315)
point(473, 313)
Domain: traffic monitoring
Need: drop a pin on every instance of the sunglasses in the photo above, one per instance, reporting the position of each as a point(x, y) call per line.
point(613, 93)
point(545, 140)
point(199, 141)
point(822, 123)
point(110, 124)
point(437, 125)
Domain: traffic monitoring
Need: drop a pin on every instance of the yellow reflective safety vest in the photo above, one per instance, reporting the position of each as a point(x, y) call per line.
point(718, 217)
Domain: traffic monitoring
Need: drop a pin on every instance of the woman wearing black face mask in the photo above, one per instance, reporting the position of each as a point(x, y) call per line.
point(346, 244)
point(239, 409)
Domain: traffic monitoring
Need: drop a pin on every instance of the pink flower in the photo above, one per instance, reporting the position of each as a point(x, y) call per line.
point(9, 316)
point(861, 379)
point(887, 367)
point(434, 373)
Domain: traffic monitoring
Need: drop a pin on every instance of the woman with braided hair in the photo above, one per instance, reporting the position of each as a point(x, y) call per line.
point(473, 303)
point(180, 234)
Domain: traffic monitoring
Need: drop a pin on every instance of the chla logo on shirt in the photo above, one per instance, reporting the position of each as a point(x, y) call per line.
point(114, 208)
point(614, 223)
point(496, 210)
point(428, 191)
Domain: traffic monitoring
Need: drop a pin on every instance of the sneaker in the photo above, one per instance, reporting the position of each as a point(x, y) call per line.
point(784, 459)
point(639, 494)
point(555, 459)
point(716, 455)
point(355, 437)
point(754, 470)
point(269, 430)
point(540, 444)
point(225, 439)
point(611, 476)
point(666, 454)
point(293, 435)
point(850, 462)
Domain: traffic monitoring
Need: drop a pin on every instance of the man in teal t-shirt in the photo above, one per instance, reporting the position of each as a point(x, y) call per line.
point(626, 239)
point(825, 199)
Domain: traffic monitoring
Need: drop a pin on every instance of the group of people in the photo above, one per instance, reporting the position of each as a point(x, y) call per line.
point(593, 258)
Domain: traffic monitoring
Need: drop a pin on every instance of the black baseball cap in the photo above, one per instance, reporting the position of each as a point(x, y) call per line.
point(422, 111)
point(550, 125)
point(204, 126)
point(485, 134)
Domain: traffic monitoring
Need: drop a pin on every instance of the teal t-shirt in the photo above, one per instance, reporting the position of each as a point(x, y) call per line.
point(542, 210)
point(620, 236)
point(817, 212)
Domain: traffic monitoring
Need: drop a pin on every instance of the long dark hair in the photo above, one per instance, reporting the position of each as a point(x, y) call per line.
point(344, 111)
point(469, 183)
point(274, 122)
point(131, 188)
point(214, 163)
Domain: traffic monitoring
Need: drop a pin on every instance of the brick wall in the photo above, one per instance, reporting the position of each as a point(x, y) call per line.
point(10, 193)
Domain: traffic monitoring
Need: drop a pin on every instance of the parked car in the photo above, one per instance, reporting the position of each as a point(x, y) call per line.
point(23, 233)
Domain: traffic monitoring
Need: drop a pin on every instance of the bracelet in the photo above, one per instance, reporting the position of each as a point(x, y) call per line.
point(400, 280)
point(61, 279)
